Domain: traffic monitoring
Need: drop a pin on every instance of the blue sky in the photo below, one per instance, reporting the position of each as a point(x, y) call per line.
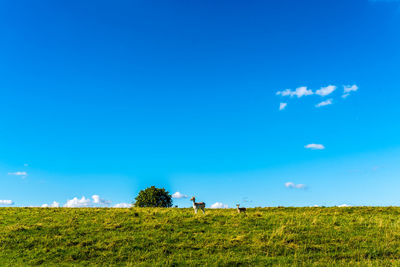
point(102, 98)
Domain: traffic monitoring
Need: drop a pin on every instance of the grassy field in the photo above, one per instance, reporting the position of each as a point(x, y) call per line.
point(265, 236)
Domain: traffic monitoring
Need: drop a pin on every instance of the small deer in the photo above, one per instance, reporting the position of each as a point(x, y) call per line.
point(197, 206)
point(240, 210)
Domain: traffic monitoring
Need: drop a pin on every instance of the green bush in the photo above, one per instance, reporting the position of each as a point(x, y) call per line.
point(153, 197)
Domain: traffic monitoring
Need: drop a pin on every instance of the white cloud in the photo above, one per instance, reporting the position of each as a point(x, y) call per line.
point(345, 95)
point(6, 202)
point(324, 103)
point(324, 91)
point(122, 205)
point(75, 202)
point(343, 205)
point(349, 88)
point(86, 202)
point(18, 173)
point(52, 205)
point(315, 146)
point(299, 92)
point(293, 185)
point(218, 205)
point(286, 92)
point(179, 195)
point(100, 201)
point(282, 106)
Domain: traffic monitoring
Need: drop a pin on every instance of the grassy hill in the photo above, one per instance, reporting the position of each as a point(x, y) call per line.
point(284, 236)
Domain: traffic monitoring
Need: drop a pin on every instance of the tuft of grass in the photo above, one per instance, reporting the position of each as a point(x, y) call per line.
point(360, 236)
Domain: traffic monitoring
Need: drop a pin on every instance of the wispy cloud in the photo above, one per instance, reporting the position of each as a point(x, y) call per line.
point(179, 195)
point(6, 202)
point(315, 146)
point(347, 89)
point(324, 103)
point(324, 91)
point(219, 205)
point(299, 92)
point(296, 186)
point(282, 106)
point(343, 205)
point(350, 88)
point(55, 204)
point(18, 173)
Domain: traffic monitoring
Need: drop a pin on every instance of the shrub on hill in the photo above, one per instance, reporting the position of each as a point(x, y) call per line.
point(153, 197)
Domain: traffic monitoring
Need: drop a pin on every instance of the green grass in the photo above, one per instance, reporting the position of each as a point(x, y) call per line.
point(265, 236)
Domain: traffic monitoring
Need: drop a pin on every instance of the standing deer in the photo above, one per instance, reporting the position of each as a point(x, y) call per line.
point(240, 210)
point(199, 205)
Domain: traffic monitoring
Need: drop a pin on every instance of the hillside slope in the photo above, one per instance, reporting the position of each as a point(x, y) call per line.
point(85, 236)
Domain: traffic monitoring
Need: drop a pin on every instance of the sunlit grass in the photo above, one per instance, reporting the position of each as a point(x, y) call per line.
point(144, 236)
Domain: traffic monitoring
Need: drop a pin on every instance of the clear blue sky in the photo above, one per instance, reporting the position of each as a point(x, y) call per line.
point(109, 97)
